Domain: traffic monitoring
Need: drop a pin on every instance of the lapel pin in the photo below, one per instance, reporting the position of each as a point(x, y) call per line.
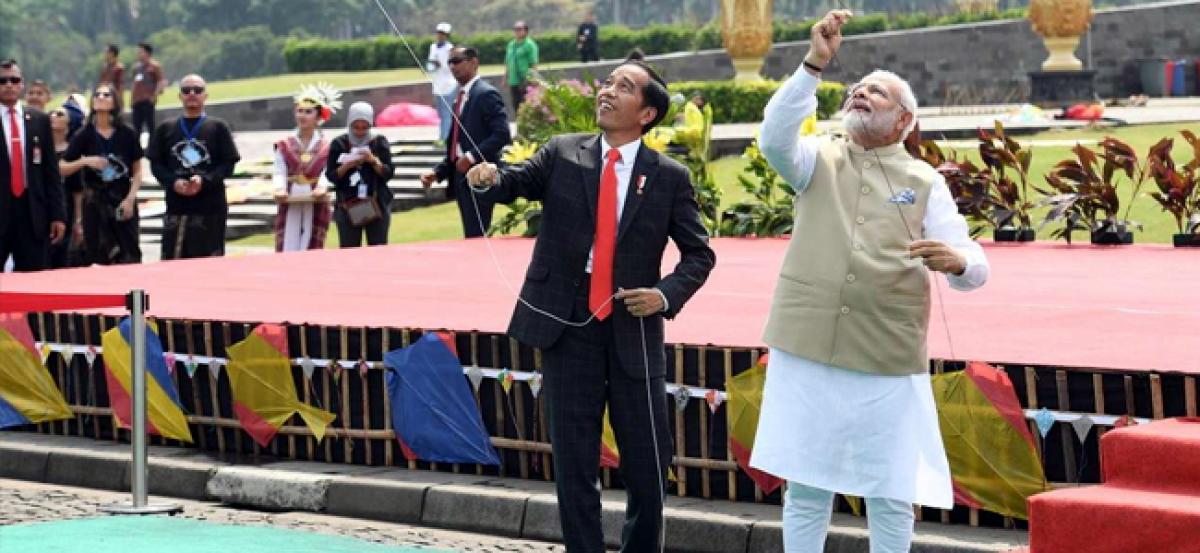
point(641, 184)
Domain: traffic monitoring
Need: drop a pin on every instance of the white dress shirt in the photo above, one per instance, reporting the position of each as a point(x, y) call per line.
point(465, 92)
point(794, 157)
point(8, 132)
point(624, 169)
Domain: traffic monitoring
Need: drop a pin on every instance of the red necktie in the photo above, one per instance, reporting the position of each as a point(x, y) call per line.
point(605, 244)
point(16, 156)
point(455, 124)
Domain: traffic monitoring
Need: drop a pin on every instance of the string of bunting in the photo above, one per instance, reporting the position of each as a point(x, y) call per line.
point(1081, 423)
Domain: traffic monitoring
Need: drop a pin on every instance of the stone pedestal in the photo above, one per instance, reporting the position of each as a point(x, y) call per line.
point(1056, 89)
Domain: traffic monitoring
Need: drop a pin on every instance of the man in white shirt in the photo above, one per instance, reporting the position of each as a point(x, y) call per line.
point(444, 84)
point(848, 404)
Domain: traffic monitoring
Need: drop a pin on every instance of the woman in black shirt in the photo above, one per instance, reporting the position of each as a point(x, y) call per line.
point(360, 166)
point(109, 155)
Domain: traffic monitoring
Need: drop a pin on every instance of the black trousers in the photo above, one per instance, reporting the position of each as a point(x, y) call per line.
point(30, 250)
point(518, 95)
point(109, 241)
point(194, 235)
point(376, 233)
point(143, 114)
point(467, 200)
point(589, 53)
point(581, 375)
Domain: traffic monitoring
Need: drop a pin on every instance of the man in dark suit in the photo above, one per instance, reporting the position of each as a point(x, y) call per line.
point(32, 209)
point(609, 204)
point(479, 134)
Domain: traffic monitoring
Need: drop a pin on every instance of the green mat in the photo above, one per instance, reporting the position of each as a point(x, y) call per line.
point(157, 534)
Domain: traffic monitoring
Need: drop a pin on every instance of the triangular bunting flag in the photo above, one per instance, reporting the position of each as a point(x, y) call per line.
point(363, 367)
point(68, 352)
point(191, 369)
point(682, 395)
point(308, 367)
point(1082, 425)
point(45, 351)
point(475, 375)
point(90, 355)
point(506, 380)
point(335, 370)
point(535, 384)
point(1124, 421)
point(714, 400)
point(1045, 420)
point(169, 359)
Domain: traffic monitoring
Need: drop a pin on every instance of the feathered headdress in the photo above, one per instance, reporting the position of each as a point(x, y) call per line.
point(322, 96)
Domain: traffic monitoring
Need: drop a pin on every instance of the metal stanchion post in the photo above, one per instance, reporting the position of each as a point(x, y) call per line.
point(140, 506)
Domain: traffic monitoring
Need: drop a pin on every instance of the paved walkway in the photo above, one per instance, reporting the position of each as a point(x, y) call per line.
point(491, 506)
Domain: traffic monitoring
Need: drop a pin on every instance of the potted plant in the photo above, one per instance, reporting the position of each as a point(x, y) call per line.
point(1177, 188)
point(971, 189)
point(1086, 198)
point(1009, 199)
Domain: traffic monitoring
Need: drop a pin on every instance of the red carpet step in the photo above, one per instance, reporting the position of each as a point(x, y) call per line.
point(1163, 456)
point(1149, 502)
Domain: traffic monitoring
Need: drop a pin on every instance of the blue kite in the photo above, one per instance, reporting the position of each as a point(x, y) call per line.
point(433, 410)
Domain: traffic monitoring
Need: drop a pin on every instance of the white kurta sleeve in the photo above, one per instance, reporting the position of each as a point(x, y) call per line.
point(944, 224)
point(279, 176)
point(791, 155)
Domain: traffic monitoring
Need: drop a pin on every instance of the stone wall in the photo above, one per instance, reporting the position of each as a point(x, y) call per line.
point(989, 62)
point(954, 65)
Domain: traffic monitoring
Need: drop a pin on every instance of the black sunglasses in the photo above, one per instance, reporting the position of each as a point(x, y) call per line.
point(10, 80)
point(197, 90)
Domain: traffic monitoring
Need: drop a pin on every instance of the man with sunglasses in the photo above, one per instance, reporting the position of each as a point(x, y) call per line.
point(191, 156)
point(32, 207)
point(478, 135)
point(848, 324)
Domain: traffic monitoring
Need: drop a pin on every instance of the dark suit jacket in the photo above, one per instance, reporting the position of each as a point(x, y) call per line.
point(43, 187)
point(483, 119)
point(565, 175)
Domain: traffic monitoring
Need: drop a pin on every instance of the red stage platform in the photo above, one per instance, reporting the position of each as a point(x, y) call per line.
point(1124, 308)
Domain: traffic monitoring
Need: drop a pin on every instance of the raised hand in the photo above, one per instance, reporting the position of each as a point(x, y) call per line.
point(827, 37)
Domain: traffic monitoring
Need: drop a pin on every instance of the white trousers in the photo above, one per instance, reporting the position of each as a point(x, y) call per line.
point(807, 512)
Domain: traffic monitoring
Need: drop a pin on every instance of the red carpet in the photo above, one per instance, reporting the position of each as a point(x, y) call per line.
point(1131, 308)
point(1149, 502)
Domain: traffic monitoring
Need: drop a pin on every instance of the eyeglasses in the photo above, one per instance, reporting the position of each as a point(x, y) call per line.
point(456, 61)
point(10, 80)
point(102, 95)
point(196, 90)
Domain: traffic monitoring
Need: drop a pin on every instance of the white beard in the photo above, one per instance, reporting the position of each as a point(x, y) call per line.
point(869, 127)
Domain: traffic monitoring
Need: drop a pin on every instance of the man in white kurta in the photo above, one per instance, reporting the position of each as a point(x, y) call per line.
point(848, 406)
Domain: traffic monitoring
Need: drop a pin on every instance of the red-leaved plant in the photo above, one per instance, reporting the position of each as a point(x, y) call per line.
point(1177, 186)
point(1083, 193)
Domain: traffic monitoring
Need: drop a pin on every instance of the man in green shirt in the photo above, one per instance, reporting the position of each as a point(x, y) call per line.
point(520, 57)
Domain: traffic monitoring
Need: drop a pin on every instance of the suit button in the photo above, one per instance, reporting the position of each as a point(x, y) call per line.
point(866, 190)
point(860, 220)
point(849, 278)
point(845, 310)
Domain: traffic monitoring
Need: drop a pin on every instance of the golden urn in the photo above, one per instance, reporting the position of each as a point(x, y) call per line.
point(746, 34)
point(1060, 24)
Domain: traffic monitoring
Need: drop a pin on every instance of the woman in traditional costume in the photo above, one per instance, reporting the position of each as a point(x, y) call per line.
point(301, 189)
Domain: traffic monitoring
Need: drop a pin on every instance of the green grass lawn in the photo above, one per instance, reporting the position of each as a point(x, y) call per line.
point(441, 222)
point(289, 83)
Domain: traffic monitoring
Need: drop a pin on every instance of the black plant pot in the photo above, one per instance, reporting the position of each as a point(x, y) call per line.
point(1186, 240)
point(1112, 237)
point(1014, 235)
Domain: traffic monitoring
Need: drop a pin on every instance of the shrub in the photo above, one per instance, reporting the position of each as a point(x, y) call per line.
point(743, 102)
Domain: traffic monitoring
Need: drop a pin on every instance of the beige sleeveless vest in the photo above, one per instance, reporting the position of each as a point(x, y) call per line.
point(848, 295)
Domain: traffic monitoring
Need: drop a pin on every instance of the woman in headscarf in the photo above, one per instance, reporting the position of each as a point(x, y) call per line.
point(301, 189)
point(360, 166)
point(112, 155)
